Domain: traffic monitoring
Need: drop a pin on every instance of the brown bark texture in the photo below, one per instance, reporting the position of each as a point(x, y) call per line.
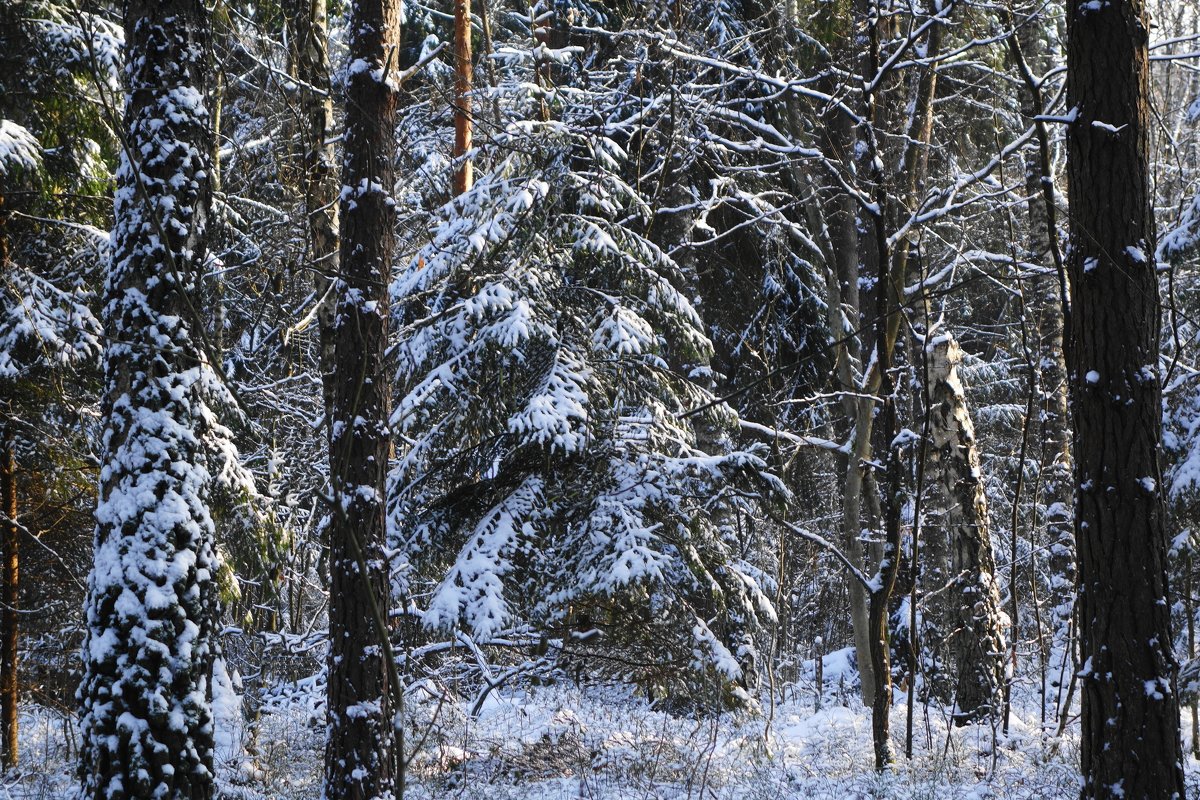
point(464, 176)
point(359, 758)
point(1129, 739)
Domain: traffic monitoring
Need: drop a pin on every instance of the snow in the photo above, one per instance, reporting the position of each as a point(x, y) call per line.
point(43, 326)
point(536, 293)
point(20, 150)
point(624, 332)
point(474, 589)
point(87, 41)
point(562, 742)
point(230, 725)
point(557, 415)
point(1181, 239)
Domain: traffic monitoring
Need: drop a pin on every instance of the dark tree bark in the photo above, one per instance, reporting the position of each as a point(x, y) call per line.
point(9, 626)
point(145, 718)
point(1130, 743)
point(359, 757)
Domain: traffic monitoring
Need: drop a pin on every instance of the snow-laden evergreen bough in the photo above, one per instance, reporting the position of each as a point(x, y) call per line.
point(146, 721)
point(550, 478)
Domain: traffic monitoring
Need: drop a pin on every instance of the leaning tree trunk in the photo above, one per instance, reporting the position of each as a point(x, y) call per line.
point(9, 626)
point(145, 717)
point(1129, 740)
point(972, 605)
point(360, 758)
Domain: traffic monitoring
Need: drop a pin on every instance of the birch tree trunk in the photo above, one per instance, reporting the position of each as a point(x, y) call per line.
point(971, 612)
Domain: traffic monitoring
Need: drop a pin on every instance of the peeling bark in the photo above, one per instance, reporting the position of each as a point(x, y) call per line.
point(971, 615)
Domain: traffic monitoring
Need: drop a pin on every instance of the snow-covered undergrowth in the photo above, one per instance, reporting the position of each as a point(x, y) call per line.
point(551, 742)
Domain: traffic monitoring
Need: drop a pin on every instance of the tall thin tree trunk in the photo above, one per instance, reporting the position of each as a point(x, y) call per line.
point(1046, 303)
point(360, 756)
point(463, 66)
point(9, 633)
point(318, 175)
point(977, 639)
point(1129, 740)
point(880, 379)
point(9, 630)
point(891, 266)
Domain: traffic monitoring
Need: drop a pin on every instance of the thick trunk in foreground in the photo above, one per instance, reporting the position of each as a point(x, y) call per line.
point(145, 719)
point(974, 618)
point(360, 762)
point(9, 631)
point(1129, 739)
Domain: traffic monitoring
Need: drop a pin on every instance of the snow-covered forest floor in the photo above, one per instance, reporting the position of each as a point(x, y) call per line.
point(551, 742)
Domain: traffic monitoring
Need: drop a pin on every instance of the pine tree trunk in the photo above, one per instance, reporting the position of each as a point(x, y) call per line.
point(359, 757)
point(9, 627)
point(463, 66)
point(1129, 741)
point(145, 716)
point(973, 603)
